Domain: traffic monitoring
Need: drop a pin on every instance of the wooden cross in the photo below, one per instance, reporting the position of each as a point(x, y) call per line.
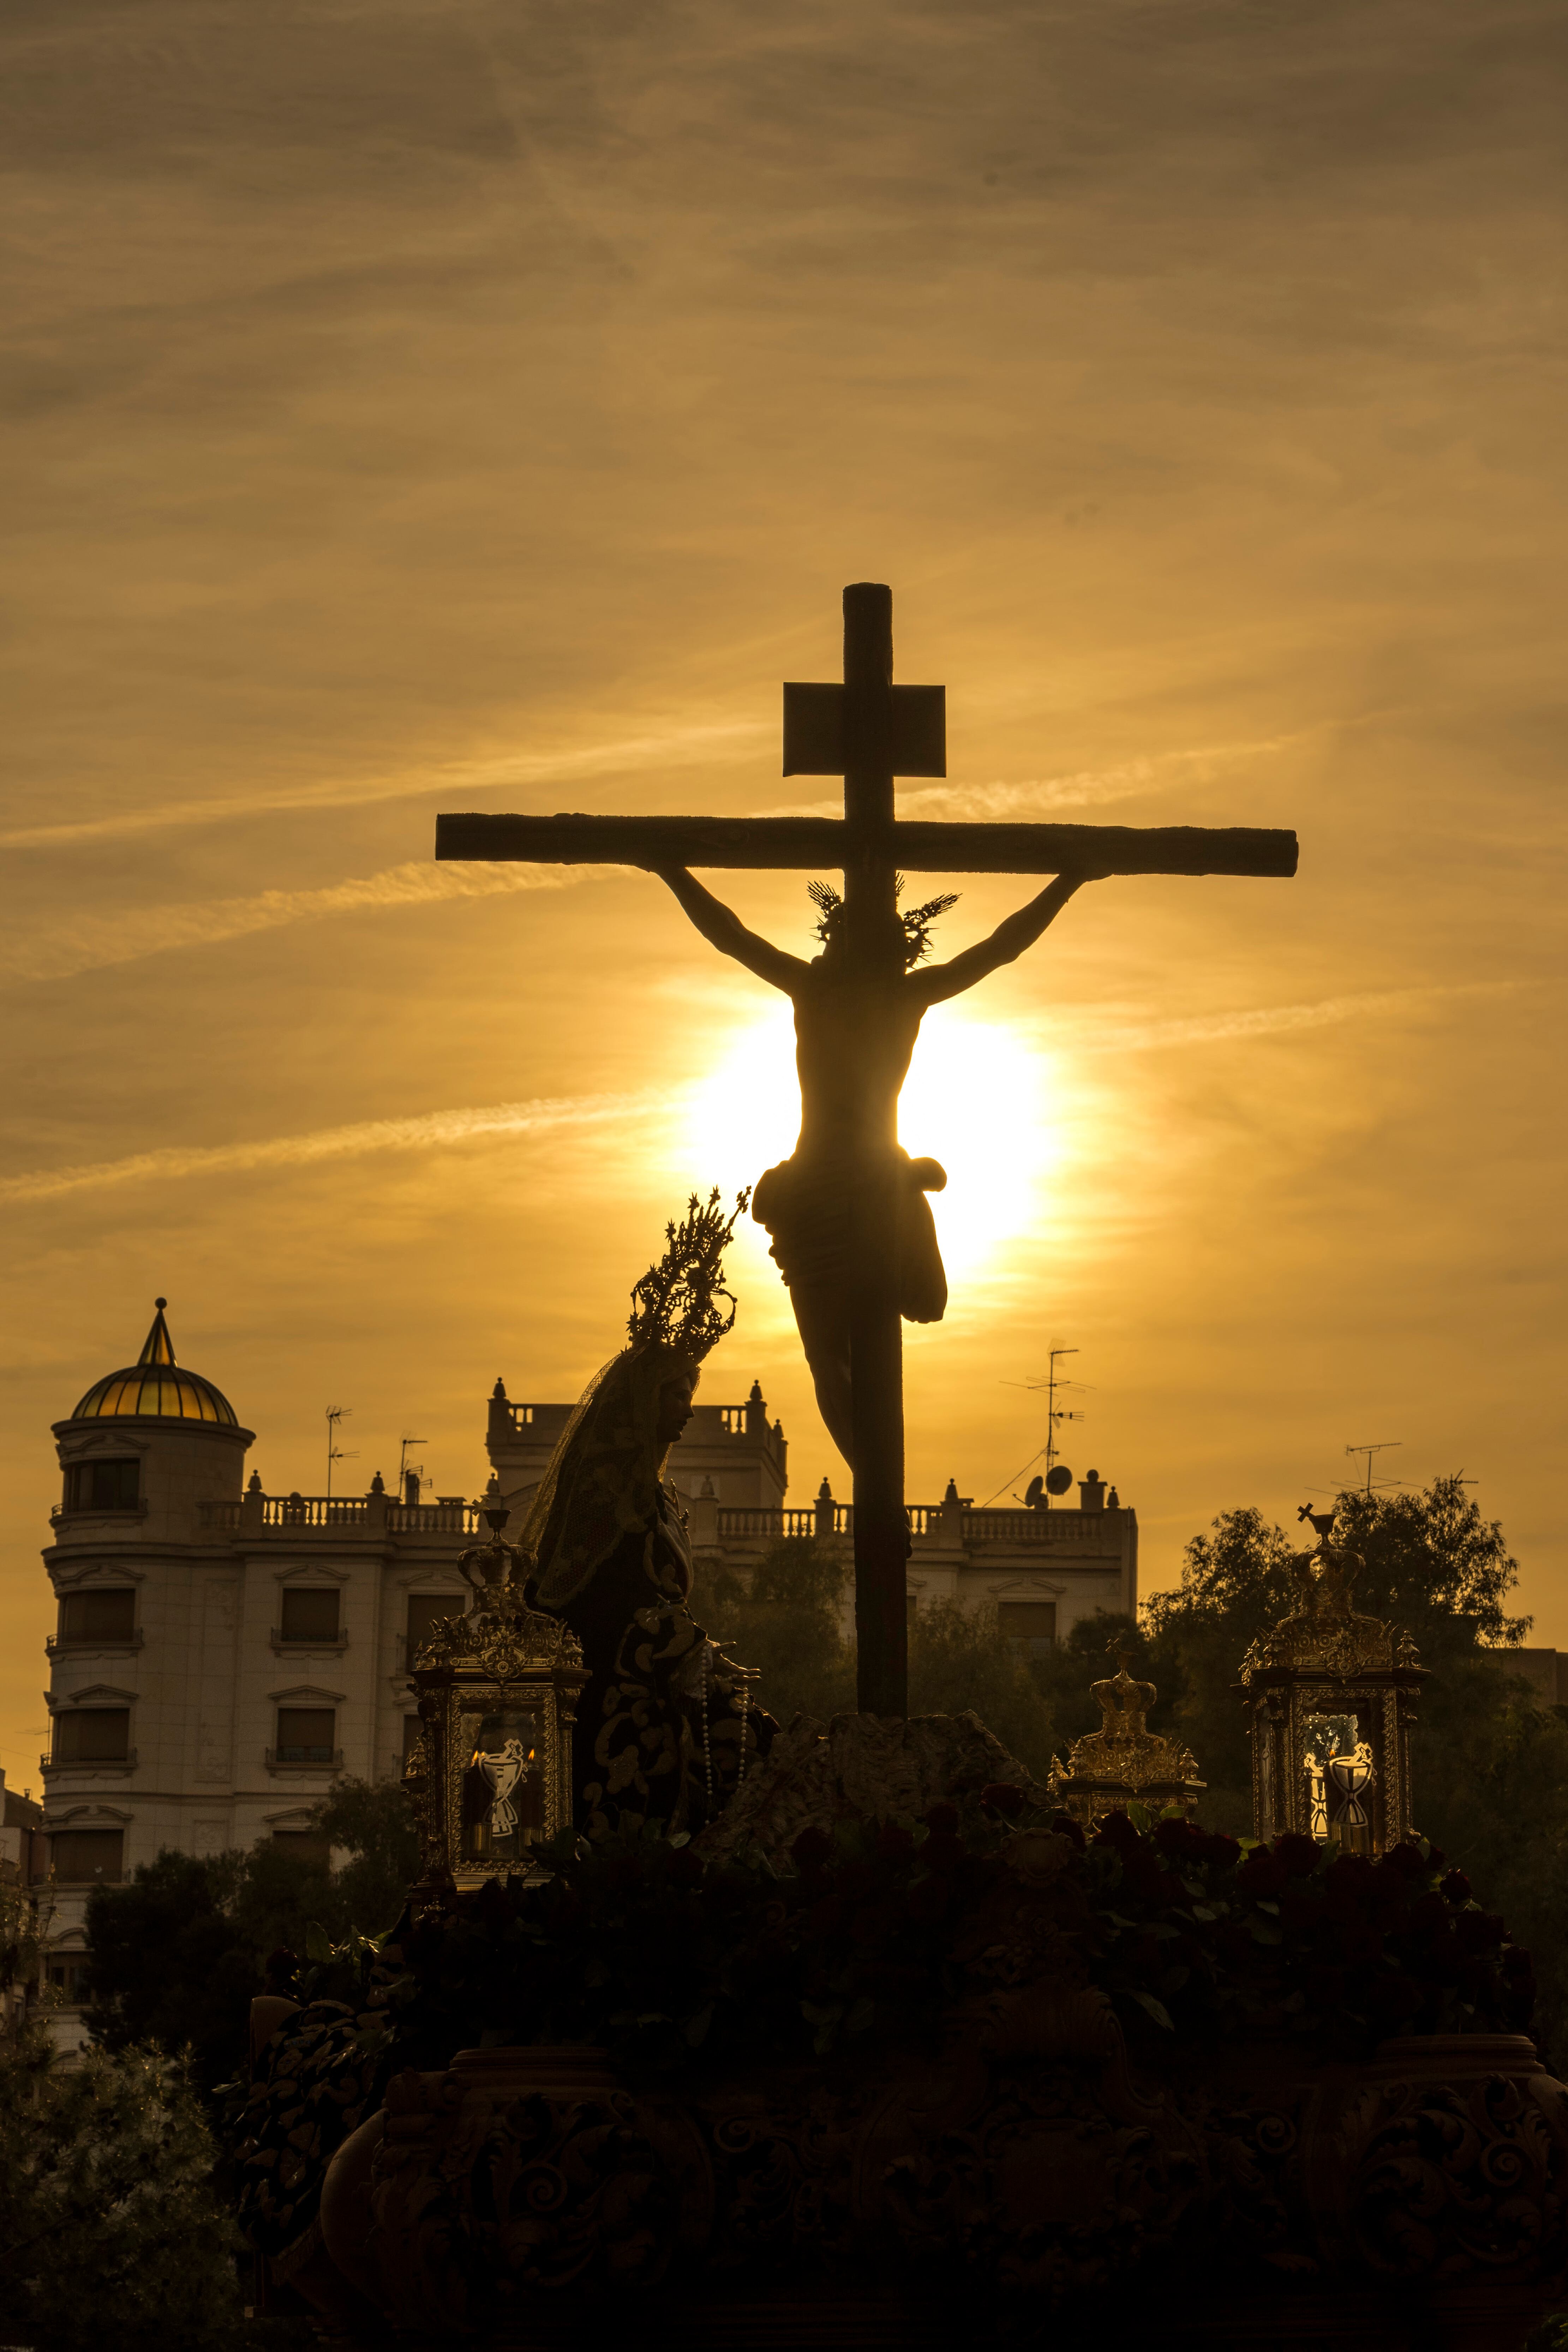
point(869, 730)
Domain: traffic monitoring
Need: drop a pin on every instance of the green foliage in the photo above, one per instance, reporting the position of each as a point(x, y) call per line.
point(109, 2231)
point(960, 1658)
point(1488, 1765)
point(176, 1954)
point(786, 1623)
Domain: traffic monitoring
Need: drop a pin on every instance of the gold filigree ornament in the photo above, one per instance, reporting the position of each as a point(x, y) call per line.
point(1326, 1663)
point(491, 1773)
point(1124, 1762)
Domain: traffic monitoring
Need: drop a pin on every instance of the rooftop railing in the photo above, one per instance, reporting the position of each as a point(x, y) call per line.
point(832, 1518)
point(449, 1514)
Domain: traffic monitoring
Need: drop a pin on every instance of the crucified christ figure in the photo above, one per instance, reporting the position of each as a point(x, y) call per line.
point(857, 1012)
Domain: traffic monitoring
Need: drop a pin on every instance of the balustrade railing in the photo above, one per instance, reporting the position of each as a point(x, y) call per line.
point(290, 1513)
point(448, 1519)
point(924, 1520)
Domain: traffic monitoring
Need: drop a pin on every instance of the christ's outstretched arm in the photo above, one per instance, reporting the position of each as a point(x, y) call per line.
point(725, 931)
point(1005, 945)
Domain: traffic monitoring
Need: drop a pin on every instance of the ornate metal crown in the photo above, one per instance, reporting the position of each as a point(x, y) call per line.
point(677, 1303)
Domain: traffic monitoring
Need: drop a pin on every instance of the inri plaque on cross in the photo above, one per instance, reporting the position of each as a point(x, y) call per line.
point(848, 1229)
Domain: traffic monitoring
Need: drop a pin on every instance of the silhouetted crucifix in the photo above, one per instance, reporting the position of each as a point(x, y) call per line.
point(851, 1230)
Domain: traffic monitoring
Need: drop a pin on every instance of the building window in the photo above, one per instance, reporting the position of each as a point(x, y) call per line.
point(82, 1856)
point(103, 1486)
point(424, 1609)
point(92, 1735)
point(306, 1845)
point(310, 1613)
point(307, 1734)
point(68, 1977)
point(98, 1616)
point(1031, 1623)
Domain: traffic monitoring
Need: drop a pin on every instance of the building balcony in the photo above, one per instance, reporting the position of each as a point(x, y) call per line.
point(294, 1643)
point(63, 1645)
point(116, 1767)
point(74, 1514)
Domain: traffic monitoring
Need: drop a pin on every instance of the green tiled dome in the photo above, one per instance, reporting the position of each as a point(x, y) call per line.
point(156, 1386)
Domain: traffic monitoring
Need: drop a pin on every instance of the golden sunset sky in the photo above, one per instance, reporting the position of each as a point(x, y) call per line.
point(459, 404)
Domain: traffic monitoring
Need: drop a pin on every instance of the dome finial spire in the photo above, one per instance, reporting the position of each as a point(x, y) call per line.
point(157, 1348)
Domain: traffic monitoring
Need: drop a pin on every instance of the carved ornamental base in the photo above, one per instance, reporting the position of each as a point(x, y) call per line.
point(1029, 2182)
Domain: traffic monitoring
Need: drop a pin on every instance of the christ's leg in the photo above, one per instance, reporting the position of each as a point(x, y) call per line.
point(822, 1317)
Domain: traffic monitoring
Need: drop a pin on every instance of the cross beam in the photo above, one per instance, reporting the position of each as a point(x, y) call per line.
point(869, 731)
point(807, 843)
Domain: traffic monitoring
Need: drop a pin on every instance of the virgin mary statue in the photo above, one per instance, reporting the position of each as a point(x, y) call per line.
point(664, 1731)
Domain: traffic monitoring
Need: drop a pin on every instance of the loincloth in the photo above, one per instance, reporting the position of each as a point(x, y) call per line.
point(805, 1207)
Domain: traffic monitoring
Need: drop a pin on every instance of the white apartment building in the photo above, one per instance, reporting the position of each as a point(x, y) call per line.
point(222, 1653)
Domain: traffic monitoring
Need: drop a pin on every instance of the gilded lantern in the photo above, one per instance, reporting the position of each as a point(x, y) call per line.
point(1124, 1762)
point(1330, 1696)
point(490, 1770)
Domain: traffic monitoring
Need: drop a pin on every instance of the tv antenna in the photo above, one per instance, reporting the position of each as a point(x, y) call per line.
point(1384, 1445)
point(335, 1415)
point(1058, 1477)
point(402, 1465)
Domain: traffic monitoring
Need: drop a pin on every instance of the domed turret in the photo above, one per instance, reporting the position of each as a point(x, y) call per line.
point(156, 1387)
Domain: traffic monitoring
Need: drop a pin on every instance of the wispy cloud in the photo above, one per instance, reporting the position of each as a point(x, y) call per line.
point(437, 1129)
point(692, 744)
point(1045, 795)
point(78, 943)
point(434, 1129)
point(1271, 1020)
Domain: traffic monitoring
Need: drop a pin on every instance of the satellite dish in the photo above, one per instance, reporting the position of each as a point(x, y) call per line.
point(1058, 1478)
point(1035, 1494)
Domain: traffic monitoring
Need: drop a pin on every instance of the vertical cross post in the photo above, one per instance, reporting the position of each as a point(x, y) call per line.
point(876, 1331)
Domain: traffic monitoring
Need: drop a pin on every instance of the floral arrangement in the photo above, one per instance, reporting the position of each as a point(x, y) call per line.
point(882, 1928)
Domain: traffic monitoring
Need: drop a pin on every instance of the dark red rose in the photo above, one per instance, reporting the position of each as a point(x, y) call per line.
point(1429, 1915)
point(826, 1917)
point(1143, 1876)
point(1117, 1831)
point(1478, 1931)
point(812, 1848)
point(893, 1841)
point(1347, 1885)
point(1298, 1855)
point(942, 1820)
point(856, 1879)
point(1456, 1889)
point(1299, 1906)
point(1234, 1939)
point(1436, 1857)
point(1517, 1966)
point(1360, 1948)
point(1220, 1852)
point(1262, 1875)
point(927, 1901)
point(1003, 1797)
point(1065, 1826)
point(873, 1924)
point(1182, 1841)
point(943, 1849)
point(1404, 1860)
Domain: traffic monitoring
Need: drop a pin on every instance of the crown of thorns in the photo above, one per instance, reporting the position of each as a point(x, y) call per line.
point(677, 1303)
point(917, 920)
